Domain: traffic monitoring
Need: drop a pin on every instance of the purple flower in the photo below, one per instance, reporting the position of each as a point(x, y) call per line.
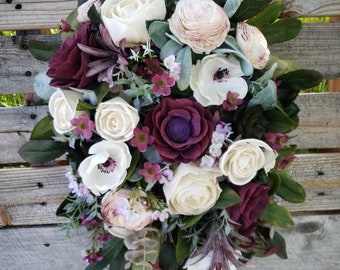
point(232, 101)
point(151, 172)
point(69, 65)
point(254, 198)
point(162, 84)
point(182, 129)
point(141, 138)
point(285, 161)
point(84, 126)
point(275, 140)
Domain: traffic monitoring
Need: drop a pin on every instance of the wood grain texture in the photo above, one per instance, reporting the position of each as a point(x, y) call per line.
point(33, 14)
point(313, 244)
point(316, 47)
point(312, 8)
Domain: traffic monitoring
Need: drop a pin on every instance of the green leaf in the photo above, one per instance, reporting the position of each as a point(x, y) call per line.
point(276, 241)
point(268, 15)
point(228, 197)
point(102, 91)
point(134, 162)
point(41, 151)
point(111, 249)
point(184, 57)
point(274, 181)
point(249, 9)
point(169, 48)
point(183, 246)
point(280, 121)
point(302, 78)
point(94, 16)
point(157, 32)
point(283, 66)
point(60, 212)
point(290, 190)
point(282, 30)
point(42, 50)
point(277, 215)
point(43, 130)
point(84, 106)
point(190, 221)
point(167, 256)
point(266, 97)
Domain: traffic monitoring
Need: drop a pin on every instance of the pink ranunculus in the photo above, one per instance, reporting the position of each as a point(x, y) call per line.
point(182, 129)
point(254, 199)
point(69, 65)
point(201, 24)
point(253, 44)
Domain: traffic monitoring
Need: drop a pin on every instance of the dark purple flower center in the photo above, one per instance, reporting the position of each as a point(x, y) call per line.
point(221, 75)
point(178, 129)
point(108, 166)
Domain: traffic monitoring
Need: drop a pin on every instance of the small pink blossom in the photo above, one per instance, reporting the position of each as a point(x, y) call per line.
point(141, 138)
point(275, 140)
point(151, 172)
point(162, 84)
point(232, 101)
point(285, 161)
point(84, 126)
point(93, 257)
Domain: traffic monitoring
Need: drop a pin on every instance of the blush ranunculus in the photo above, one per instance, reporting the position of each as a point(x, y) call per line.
point(125, 211)
point(69, 65)
point(182, 129)
point(201, 24)
point(127, 19)
point(254, 199)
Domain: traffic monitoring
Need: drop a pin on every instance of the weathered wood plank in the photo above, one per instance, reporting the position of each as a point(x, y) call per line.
point(30, 196)
point(314, 243)
point(319, 125)
point(312, 8)
point(23, 15)
point(317, 47)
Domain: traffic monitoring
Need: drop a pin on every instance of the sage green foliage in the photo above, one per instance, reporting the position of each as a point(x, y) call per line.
point(277, 215)
point(42, 50)
point(11, 100)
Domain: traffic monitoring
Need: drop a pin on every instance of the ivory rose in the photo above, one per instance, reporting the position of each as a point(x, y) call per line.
point(116, 119)
point(192, 190)
point(199, 263)
point(125, 211)
point(127, 19)
point(106, 167)
point(201, 24)
point(62, 106)
point(244, 158)
point(253, 44)
point(216, 75)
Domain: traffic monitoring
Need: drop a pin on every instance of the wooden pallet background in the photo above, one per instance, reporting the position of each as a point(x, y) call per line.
point(29, 236)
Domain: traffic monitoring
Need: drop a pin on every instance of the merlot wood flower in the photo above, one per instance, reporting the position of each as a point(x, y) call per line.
point(69, 65)
point(182, 129)
point(254, 198)
point(106, 166)
point(201, 24)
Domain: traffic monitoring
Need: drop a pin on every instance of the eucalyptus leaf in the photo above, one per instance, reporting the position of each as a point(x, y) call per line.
point(42, 50)
point(41, 86)
point(170, 48)
point(268, 15)
point(41, 151)
point(43, 130)
point(283, 66)
point(184, 57)
point(277, 215)
point(282, 30)
point(267, 97)
point(152, 155)
point(231, 6)
point(290, 190)
point(228, 197)
point(157, 31)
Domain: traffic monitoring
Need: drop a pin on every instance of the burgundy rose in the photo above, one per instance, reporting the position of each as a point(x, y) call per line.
point(254, 198)
point(69, 65)
point(182, 129)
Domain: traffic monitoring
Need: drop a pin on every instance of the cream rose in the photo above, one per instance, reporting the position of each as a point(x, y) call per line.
point(127, 19)
point(125, 212)
point(62, 106)
point(201, 24)
point(116, 119)
point(244, 158)
point(106, 167)
point(216, 75)
point(193, 190)
point(253, 44)
point(199, 263)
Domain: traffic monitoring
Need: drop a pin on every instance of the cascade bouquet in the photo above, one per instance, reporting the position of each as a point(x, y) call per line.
point(174, 119)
